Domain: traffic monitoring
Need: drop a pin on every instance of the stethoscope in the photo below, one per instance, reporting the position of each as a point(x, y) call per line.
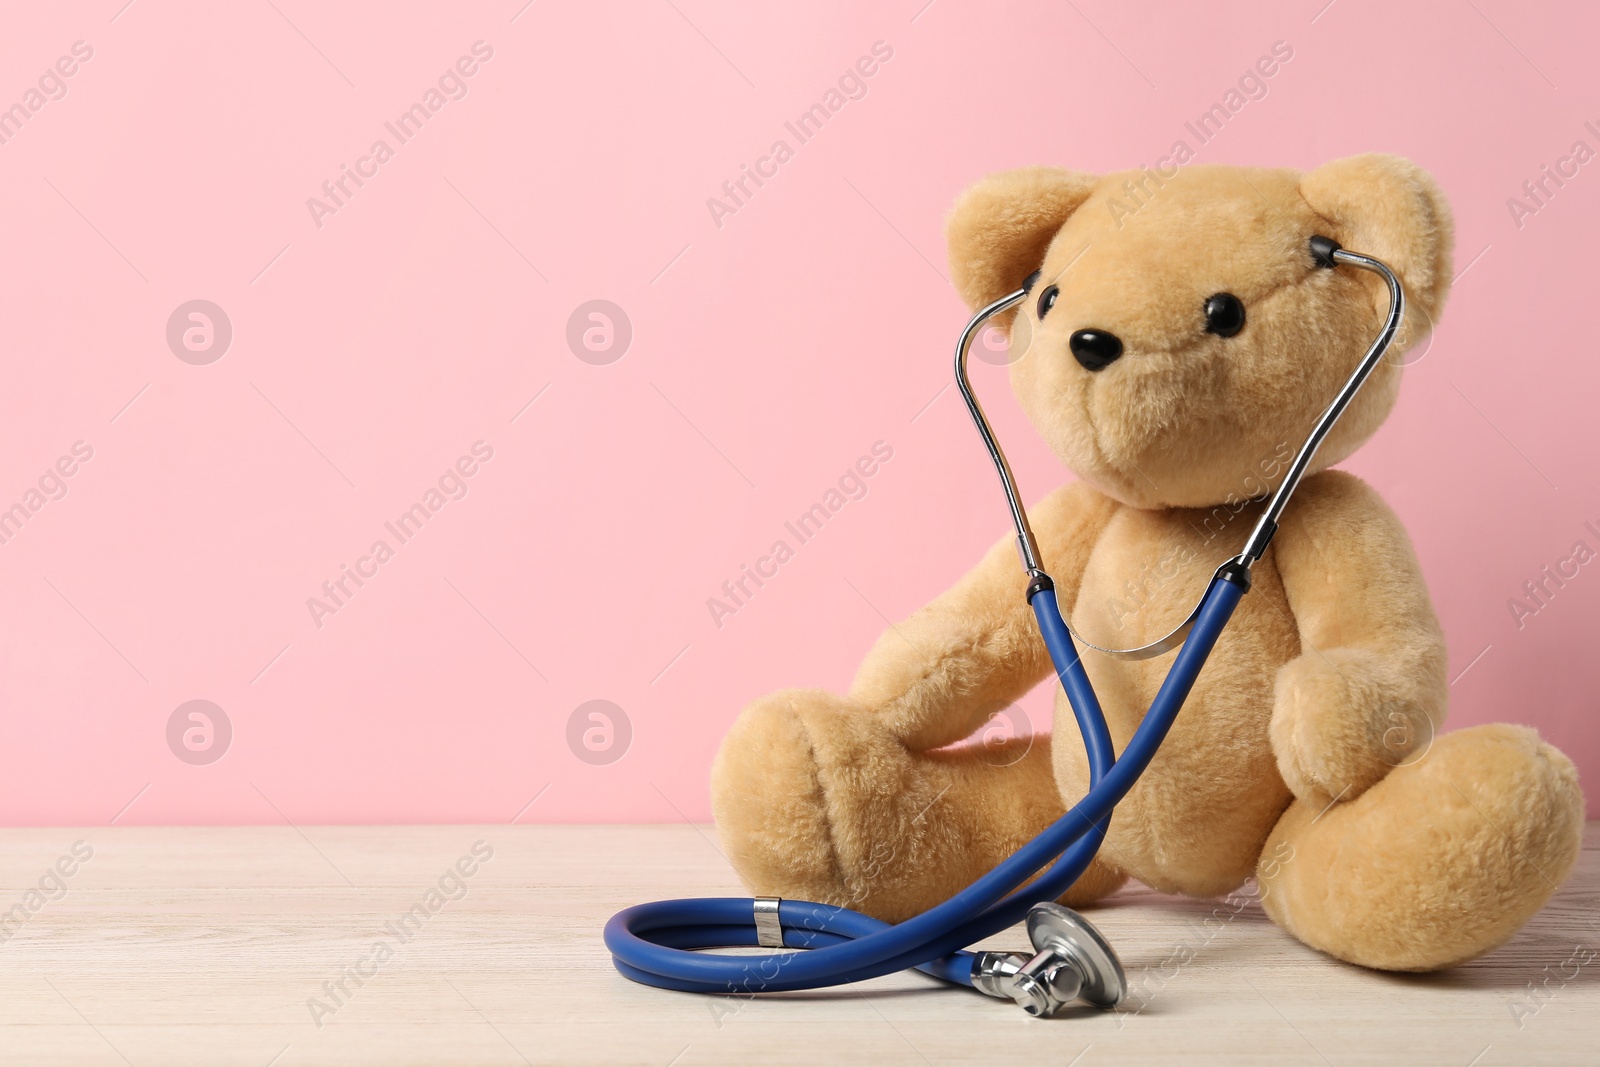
point(653, 943)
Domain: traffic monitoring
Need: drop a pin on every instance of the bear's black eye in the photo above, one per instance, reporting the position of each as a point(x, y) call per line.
point(1224, 314)
point(1047, 300)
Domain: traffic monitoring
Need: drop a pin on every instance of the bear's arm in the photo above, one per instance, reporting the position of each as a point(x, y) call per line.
point(1368, 689)
point(938, 675)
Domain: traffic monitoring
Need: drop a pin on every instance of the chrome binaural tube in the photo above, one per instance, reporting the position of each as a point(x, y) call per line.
point(1266, 526)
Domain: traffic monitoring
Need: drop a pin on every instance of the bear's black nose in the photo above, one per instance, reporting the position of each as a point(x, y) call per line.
point(1095, 349)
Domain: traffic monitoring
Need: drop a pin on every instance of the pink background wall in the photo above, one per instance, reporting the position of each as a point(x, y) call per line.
point(371, 352)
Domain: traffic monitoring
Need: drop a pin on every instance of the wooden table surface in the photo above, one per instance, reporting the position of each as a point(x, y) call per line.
point(225, 946)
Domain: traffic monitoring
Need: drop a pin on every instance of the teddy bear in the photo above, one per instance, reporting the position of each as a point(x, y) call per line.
point(1178, 341)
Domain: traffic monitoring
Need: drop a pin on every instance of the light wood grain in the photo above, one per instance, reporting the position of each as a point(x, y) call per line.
point(203, 946)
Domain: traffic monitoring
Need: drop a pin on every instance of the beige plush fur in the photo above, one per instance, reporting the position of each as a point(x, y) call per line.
point(1309, 753)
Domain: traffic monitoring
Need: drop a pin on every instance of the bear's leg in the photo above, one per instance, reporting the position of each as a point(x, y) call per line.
point(1441, 861)
point(816, 800)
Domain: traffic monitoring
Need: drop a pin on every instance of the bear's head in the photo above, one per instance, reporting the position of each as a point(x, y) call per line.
point(1178, 338)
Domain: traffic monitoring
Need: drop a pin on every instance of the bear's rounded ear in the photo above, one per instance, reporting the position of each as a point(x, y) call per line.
point(1000, 228)
point(1389, 208)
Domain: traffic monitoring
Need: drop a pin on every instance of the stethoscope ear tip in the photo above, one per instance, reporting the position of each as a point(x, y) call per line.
point(1322, 250)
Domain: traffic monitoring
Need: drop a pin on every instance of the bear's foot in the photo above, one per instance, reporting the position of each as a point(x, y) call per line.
point(816, 800)
point(1441, 861)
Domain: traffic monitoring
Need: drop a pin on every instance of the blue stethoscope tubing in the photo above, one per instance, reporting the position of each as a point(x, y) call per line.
point(655, 944)
point(651, 943)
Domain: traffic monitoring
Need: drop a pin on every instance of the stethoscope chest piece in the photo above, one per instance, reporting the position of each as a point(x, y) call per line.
point(1071, 961)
